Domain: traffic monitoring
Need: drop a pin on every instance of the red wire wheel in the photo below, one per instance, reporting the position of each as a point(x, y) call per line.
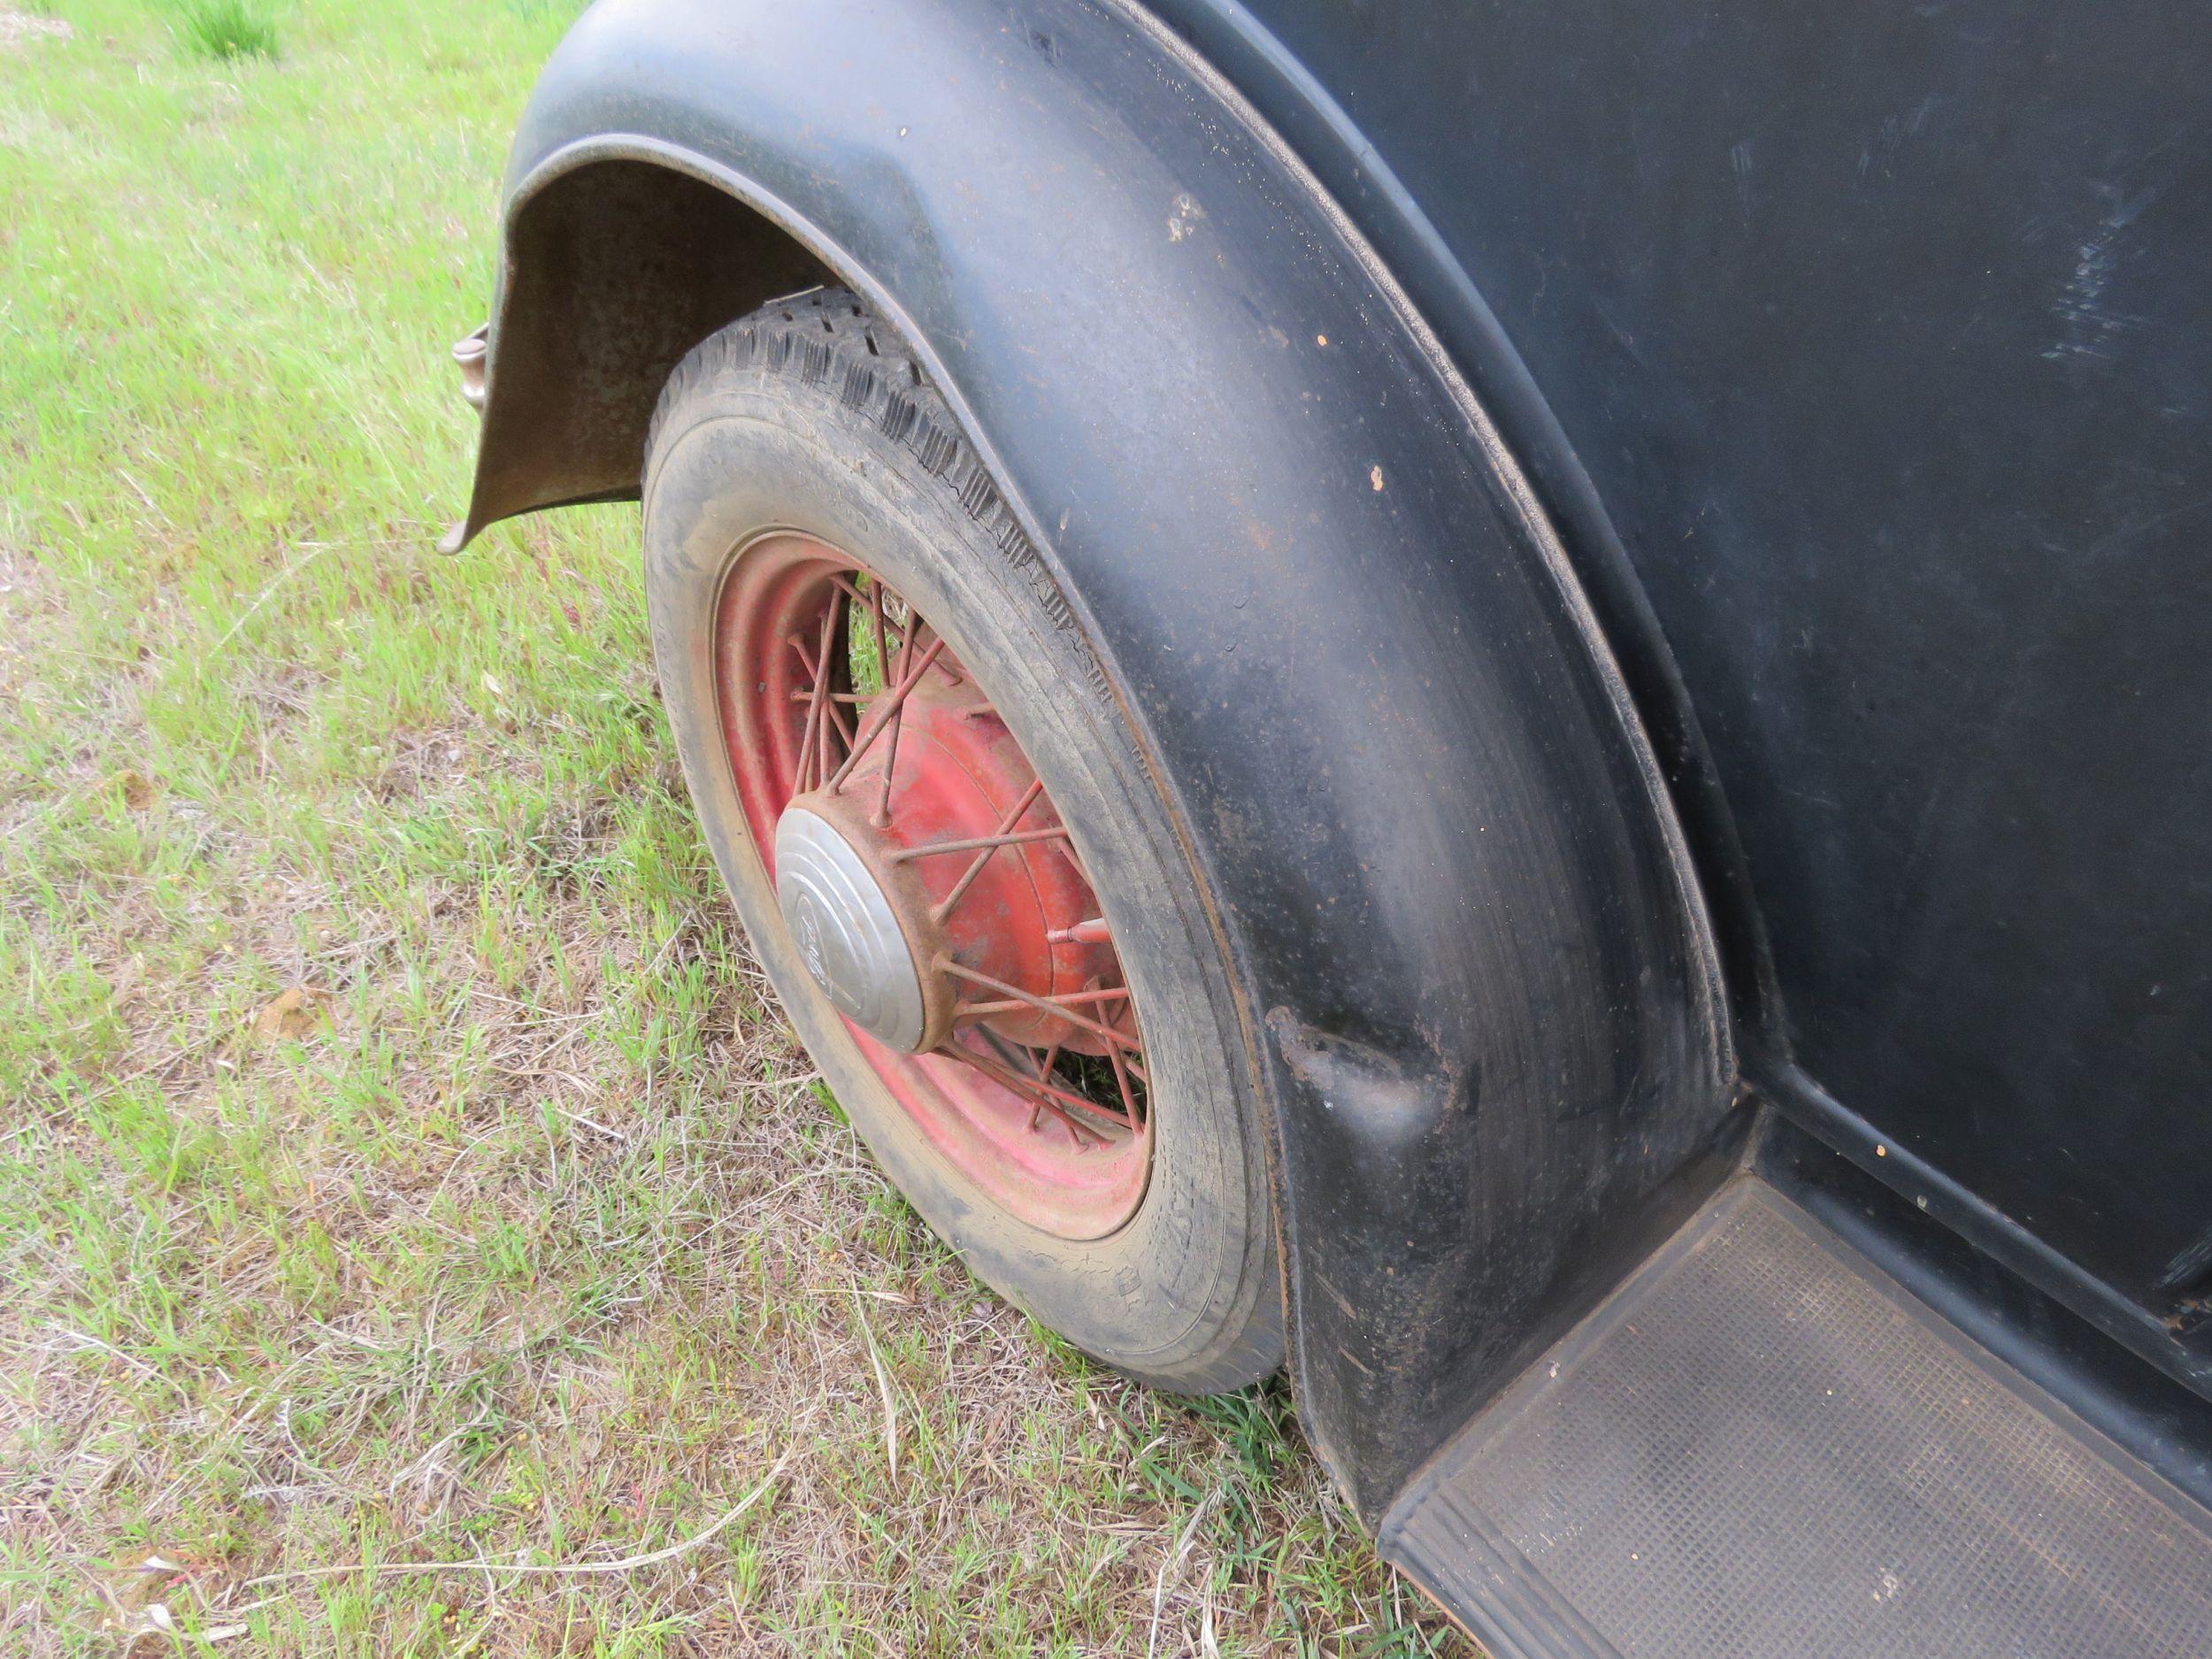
point(932, 889)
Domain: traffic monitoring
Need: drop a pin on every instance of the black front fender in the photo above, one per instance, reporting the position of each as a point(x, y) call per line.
point(1480, 986)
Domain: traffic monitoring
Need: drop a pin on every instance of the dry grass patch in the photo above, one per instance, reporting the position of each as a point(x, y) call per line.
point(16, 27)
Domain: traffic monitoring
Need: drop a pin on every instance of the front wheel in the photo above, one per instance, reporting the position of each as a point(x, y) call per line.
point(931, 814)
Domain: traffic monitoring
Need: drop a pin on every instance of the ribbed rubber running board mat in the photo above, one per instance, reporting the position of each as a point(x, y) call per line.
point(1762, 1449)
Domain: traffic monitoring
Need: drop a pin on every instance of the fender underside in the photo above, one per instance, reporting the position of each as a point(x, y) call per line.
point(1478, 978)
point(614, 269)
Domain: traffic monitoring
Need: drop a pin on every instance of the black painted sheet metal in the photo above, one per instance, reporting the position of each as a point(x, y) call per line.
point(1878, 337)
point(1761, 1447)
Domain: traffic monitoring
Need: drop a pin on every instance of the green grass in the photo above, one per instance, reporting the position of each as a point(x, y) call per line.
point(227, 28)
point(529, 1240)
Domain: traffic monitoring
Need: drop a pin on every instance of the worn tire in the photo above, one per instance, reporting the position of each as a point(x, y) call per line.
point(809, 415)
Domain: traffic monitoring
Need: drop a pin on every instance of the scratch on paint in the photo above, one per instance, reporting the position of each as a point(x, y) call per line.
point(2087, 325)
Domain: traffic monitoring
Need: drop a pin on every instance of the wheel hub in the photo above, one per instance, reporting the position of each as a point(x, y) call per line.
point(849, 932)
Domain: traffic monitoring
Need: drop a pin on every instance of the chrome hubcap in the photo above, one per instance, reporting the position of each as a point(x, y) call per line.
point(847, 930)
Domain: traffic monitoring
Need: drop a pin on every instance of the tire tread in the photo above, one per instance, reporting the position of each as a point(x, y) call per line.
point(827, 336)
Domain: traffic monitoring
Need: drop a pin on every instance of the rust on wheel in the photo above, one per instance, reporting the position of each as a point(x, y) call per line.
point(930, 886)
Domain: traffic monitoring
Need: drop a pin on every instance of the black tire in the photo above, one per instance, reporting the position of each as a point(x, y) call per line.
point(810, 416)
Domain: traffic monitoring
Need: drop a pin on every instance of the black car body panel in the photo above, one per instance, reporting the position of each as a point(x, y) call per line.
point(1885, 339)
point(1783, 437)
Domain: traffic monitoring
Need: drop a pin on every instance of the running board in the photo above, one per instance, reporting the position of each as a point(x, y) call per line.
point(1763, 1447)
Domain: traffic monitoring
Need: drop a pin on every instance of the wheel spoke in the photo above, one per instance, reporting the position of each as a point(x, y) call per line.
point(1105, 1033)
point(844, 585)
point(830, 699)
point(1044, 1070)
point(1121, 1082)
point(989, 844)
point(813, 712)
point(915, 625)
point(891, 742)
point(814, 744)
point(886, 672)
point(1076, 858)
point(1064, 999)
point(888, 705)
point(1055, 1100)
point(834, 632)
point(875, 622)
point(1017, 839)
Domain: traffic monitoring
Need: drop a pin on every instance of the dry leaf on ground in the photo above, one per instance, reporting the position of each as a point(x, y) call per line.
point(301, 1010)
point(135, 787)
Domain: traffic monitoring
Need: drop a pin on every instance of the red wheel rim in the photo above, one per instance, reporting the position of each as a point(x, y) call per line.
point(840, 703)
